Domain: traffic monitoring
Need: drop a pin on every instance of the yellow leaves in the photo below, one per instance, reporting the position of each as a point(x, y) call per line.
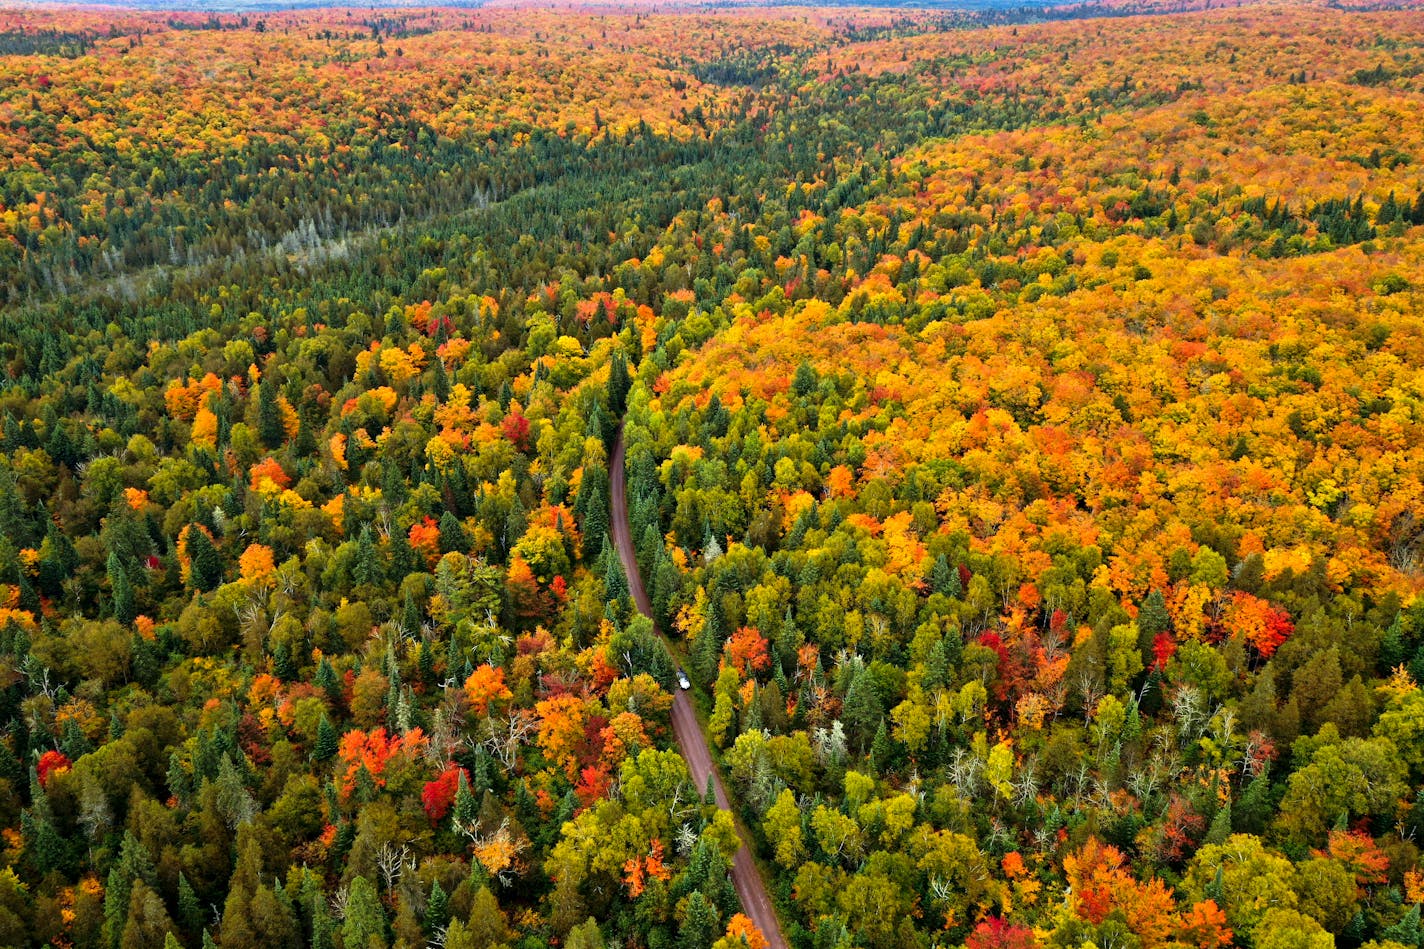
point(336, 445)
point(335, 509)
point(1414, 886)
point(399, 366)
point(204, 433)
point(135, 498)
point(440, 454)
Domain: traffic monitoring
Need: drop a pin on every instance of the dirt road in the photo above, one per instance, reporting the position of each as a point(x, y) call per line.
point(690, 739)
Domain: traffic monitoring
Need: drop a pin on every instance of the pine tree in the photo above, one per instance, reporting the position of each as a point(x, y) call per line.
point(880, 748)
point(122, 590)
point(595, 518)
point(326, 740)
point(453, 538)
point(618, 384)
point(327, 681)
point(1153, 618)
point(862, 710)
point(269, 416)
point(365, 920)
point(700, 925)
point(466, 810)
point(368, 570)
point(282, 665)
point(207, 568)
point(190, 911)
point(615, 582)
point(1220, 827)
point(437, 909)
point(940, 576)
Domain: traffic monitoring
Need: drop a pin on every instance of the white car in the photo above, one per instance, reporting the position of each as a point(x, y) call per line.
point(682, 682)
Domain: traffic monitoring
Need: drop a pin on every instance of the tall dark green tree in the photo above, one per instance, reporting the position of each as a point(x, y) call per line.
point(121, 590)
point(206, 563)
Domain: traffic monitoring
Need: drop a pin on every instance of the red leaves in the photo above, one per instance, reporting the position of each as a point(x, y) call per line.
point(49, 763)
point(1262, 625)
point(438, 796)
point(1164, 647)
point(594, 782)
point(515, 429)
point(993, 932)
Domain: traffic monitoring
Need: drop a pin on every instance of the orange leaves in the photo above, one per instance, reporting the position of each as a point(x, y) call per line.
point(424, 539)
point(1204, 925)
point(1258, 622)
point(746, 652)
point(638, 870)
point(184, 401)
point(267, 477)
point(372, 751)
point(740, 928)
point(1100, 883)
point(1359, 852)
point(486, 686)
point(561, 731)
point(256, 564)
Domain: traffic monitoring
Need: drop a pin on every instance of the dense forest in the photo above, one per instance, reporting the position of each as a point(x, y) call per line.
point(1024, 428)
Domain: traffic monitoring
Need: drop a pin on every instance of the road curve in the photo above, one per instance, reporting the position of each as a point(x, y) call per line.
point(690, 740)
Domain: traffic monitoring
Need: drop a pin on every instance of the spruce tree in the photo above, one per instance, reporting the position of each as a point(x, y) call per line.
point(124, 610)
point(595, 519)
point(453, 538)
point(618, 384)
point(207, 568)
point(437, 909)
point(269, 416)
point(326, 740)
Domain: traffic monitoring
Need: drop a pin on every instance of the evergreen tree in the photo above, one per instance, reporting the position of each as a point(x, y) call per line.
point(327, 681)
point(122, 590)
point(368, 569)
point(466, 810)
point(700, 925)
point(207, 569)
point(190, 911)
point(618, 383)
point(365, 919)
point(595, 518)
point(615, 582)
point(453, 538)
point(269, 416)
point(862, 710)
point(1220, 828)
point(437, 909)
point(326, 740)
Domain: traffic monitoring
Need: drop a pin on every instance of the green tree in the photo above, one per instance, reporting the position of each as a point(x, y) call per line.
point(365, 924)
point(121, 589)
point(207, 567)
point(269, 416)
point(1244, 878)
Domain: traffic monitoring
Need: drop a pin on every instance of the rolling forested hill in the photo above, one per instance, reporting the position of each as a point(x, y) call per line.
point(1024, 423)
